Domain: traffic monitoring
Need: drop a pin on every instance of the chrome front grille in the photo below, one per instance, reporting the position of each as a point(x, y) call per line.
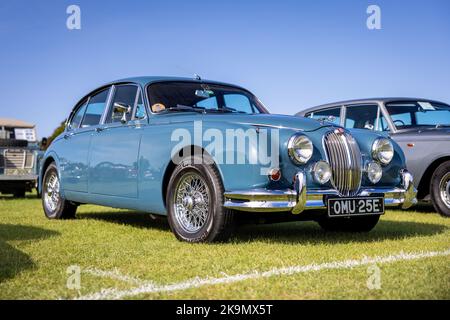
point(17, 159)
point(344, 158)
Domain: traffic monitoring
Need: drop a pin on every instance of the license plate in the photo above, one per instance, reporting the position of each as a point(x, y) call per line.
point(344, 207)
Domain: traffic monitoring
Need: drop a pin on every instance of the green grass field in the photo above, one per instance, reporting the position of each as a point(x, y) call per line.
point(128, 255)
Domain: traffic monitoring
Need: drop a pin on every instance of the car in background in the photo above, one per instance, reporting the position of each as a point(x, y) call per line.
point(128, 145)
point(420, 126)
point(19, 157)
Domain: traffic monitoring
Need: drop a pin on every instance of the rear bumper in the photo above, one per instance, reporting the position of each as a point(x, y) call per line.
point(300, 199)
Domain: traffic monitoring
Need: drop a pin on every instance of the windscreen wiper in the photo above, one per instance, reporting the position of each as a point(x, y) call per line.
point(181, 108)
point(229, 109)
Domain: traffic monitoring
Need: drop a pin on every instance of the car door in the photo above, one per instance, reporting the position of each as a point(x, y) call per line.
point(74, 149)
point(113, 163)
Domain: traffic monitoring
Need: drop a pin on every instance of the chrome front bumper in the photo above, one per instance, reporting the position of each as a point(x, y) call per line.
point(299, 199)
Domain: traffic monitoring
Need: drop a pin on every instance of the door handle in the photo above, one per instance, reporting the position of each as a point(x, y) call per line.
point(68, 136)
point(99, 129)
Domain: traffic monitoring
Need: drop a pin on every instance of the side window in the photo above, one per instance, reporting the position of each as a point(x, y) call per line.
point(332, 115)
point(95, 109)
point(140, 112)
point(239, 102)
point(402, 119)
point(361, 117)
point(125, 95)
point(76, 119)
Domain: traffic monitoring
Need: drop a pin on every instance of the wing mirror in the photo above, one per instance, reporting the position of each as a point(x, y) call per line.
point(122, 108)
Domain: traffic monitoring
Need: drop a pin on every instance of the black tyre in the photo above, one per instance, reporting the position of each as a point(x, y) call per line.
point(55, 206)
point(13, 143)
point(19, 193)
point(194, 201)
point(440, 189)
point(349, 224)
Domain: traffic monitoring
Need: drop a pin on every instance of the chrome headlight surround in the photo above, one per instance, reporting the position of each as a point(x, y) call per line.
point(383, 150)
point(300, 148)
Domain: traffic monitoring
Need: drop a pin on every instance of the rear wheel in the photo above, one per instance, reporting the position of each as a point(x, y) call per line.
point(440, 189)
point(349, 224)
point(55, 206)
point(195, 203)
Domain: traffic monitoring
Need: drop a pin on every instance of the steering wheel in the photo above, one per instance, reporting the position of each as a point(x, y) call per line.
point(401, 123)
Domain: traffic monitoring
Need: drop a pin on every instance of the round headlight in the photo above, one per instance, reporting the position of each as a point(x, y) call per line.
point(383, 150)
point(374, 172)
point(300, 148)
point(322, 172)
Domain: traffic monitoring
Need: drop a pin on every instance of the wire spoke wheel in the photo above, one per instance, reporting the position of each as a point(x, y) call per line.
point(444, 189)
point(51, 192)
point(191, 202)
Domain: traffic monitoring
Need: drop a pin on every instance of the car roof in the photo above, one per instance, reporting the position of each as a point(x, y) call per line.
point(365, 101)
point(145, 80)
point(7, 122)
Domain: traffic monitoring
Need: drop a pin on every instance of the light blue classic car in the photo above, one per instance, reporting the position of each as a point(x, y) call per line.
point(207, 153)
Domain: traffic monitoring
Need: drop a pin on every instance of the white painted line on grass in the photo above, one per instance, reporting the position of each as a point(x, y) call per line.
point(113, 293)
point(114, 274)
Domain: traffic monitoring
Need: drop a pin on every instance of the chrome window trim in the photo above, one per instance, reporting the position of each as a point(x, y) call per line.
point(133, 118)
point(74, 112)
point(387, 116)
point(112, 90)
point(139, 94)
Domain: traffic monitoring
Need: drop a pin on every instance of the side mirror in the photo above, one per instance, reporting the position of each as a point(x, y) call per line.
point(122, 108)
point(44, 143)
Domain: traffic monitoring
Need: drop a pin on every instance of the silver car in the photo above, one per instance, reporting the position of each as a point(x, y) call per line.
point(420, 126)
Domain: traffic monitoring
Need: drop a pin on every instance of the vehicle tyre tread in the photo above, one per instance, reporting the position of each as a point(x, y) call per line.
point(436, 200)
point(66, 209)
point(222, 225)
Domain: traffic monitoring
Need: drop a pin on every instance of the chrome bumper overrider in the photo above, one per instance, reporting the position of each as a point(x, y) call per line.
point(300, 199)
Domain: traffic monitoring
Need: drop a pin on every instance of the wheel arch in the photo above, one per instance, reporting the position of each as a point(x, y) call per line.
point(424, 184)
point(194, 150)
point(48, 160)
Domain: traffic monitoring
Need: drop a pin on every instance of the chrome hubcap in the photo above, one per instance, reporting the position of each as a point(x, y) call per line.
point(444, 189)
point(51, 192)
point(191, 203)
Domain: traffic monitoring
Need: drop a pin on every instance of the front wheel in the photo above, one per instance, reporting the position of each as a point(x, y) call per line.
point(55, 206)
point(440, 189)
point(194, 201)
point(349, 224)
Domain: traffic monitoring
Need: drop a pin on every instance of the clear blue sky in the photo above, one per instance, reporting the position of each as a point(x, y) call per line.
point(292, 54)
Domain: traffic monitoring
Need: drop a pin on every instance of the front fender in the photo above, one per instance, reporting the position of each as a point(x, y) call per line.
point(49, 156)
